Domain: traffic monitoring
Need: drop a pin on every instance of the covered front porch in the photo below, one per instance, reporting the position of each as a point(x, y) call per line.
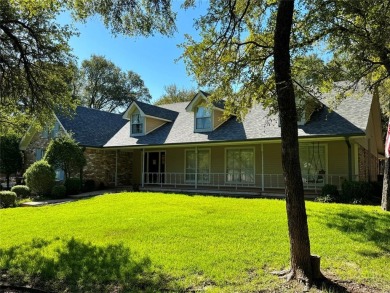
point(222, 183)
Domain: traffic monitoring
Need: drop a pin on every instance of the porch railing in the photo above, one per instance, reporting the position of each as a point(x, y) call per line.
point(223, 180)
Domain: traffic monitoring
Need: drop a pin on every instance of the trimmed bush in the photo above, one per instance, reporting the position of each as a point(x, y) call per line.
point(355, 192)
point(7, 199)
point(22, 191)
point(73, 185)
point(58, 191)
point(329, 189)
point(40, 178)
point(89, 185)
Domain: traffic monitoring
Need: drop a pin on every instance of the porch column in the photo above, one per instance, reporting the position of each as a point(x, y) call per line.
point(196, 167)
point(349, 158)
point(116, 168)
point(143, 167)
point(262, 167)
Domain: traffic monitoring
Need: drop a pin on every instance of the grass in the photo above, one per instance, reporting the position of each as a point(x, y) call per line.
point(155, 242)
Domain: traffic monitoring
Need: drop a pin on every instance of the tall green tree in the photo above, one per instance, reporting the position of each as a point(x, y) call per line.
point(34, 58)
point(175, 95)
point(245, 55)
point(356, 35)
point(64, 153)
point(104, 86)
point(11, 160)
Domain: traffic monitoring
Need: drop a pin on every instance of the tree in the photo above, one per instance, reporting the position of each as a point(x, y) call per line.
point(357, 34)
point(174, 95)
point(64, 153)
point(105, 87)
point(34, 58)
point(244, 53)
point(11, 160)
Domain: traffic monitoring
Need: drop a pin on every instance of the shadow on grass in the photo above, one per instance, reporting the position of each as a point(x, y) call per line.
point(74, 266)
point(361, 226)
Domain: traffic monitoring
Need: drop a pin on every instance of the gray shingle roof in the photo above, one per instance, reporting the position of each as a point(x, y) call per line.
point(156, 111)
point(92, 127)
point(349, 118)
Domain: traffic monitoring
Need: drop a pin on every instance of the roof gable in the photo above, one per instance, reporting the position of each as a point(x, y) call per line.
point(202, 96)
point(152, 111)
point(91, 127)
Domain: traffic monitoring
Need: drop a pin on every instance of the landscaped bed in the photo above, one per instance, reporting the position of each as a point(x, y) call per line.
point(157, 242)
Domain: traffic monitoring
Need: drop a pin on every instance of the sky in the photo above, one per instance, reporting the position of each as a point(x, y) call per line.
point(152, 58)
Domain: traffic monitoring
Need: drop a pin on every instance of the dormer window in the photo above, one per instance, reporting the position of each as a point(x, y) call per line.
point(203, 119)
point(137, 125)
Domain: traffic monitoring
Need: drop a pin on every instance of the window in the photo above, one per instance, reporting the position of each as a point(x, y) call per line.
point(198, 164)
point(240, 165)
point(39, 154)
point(313, 162)
point(203, 119)
point(51, 133)
point(136, 124)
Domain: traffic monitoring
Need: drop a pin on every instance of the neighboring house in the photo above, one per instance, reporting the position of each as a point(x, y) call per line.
point(192, 146)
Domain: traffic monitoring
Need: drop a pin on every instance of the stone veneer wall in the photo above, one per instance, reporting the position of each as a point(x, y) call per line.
point(101, 166)
point(37, 142)
point(368, 163)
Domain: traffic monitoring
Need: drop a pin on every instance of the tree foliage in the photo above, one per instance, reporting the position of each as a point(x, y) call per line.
point(34, 58)
point(129, 17)
point(357, 35)
point(175, 95)
point(105, 86)
point(64, 153)
point(11, 160)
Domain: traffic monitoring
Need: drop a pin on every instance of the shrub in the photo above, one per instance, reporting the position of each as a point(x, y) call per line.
point(355, 192)
point(329, 189)
point(40, 178)
point(22, 191)
point(7, 199)
point(73, 185)
point(89, 185)
point(58, 191)
point(102, 186)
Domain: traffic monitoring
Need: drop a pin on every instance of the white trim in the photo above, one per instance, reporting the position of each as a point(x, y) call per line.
point(130, 111)
point(158, 118)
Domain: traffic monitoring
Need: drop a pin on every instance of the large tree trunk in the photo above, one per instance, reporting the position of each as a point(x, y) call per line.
point(296, 212)
point(386, 190)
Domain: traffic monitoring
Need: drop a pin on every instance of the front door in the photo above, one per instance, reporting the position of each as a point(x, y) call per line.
point(154, 163)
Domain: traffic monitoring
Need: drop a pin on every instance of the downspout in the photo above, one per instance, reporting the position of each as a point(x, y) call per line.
point(143, 168)
point(116, 168)
point(349, 158)
point(262, 167)
point(196, 167)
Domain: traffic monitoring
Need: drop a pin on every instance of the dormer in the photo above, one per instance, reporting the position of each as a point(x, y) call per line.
point(305, 108)
point(206, 117)
point(145, 118)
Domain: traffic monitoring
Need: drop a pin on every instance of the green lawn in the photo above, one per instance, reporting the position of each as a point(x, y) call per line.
point(155, 242)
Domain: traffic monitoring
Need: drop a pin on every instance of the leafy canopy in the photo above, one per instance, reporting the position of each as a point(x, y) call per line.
point(34, 63)
point(104, 86)
point(175, 95)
